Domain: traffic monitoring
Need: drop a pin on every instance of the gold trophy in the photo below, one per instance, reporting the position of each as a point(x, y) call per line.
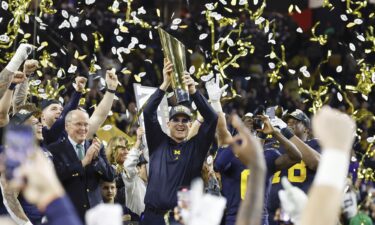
point(174, 51)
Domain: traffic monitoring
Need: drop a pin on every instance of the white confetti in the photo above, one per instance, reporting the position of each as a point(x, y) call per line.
point(281, 86)
point(64, 24)
point(65, 14)
point(259, 20)
point(4, 38)
point(142, 46)
point(207, 77)
point(360, 37)
point(299, 30)
point(373, 77)
point(72, 69)
point(27, 19)
point(107, 127)
point(1, 19)
point(352, 47)
point(116, 31)
point(339, 69)
point(150, 35)
point(134, 40)
point(119, 38)
point(365, 97)
point(370, 139)
point(223, 2)
point(339, 96)
point(174, 27)
point(203, 36)
point(84, 36)
point(358, 21)
point(255, 2)
point(71, 36)
point(141, 11)
point(299, 81)
point(59, 73)
point(248, 78)
point(89, 2)
point(344, 17)
point(230, 42)
point(292, 71)
point(148, 60)
point(210, 6)
point(4, 5)
point(113, 49)
point(216, 46)
point(192, 69)
point(176, 21)
point(306, 73)
point(271, 65)
point(243, 2)
point(73, 21)
point(142, 74)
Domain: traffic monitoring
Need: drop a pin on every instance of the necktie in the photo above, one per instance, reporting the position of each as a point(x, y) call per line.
point(81, 151)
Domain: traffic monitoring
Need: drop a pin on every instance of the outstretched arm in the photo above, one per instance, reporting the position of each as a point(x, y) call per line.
point(101, 112)
point(6, 100)
point(20, 94)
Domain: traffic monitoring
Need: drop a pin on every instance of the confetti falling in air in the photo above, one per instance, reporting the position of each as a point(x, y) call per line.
point(236, 39)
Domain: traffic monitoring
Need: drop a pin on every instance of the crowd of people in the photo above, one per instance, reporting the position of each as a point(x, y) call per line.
point(262, 161)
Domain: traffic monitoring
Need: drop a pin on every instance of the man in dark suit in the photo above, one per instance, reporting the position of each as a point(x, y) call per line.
point(79, 165)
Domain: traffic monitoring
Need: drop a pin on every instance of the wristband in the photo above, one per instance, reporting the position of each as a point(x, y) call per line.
point(12, 86)
point(333, 169)
point(288, 133)
point(111, 91)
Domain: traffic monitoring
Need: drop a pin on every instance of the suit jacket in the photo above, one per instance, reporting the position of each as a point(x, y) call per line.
point(80, 183)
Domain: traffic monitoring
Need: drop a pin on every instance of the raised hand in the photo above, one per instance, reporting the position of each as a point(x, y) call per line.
point(334, 129)
point(18, 77)
point(80, 83)
point(213, 89)
point(111, 79)
point(189, 82)
point(267, 126)
point(167, 74)
point(30, 66)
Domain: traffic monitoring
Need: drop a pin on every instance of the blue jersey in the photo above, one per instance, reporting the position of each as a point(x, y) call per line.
point(298, 174)
point(234, 177)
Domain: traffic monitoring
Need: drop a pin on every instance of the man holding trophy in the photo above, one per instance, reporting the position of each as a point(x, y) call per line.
point(174, 161)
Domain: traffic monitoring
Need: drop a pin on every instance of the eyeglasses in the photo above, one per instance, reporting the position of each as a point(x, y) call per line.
point(184, 120)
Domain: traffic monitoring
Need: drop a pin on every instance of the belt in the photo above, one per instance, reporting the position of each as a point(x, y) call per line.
point(158, 211)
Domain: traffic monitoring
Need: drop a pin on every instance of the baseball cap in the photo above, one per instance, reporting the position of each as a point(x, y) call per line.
point(300, 116)
point(179, 110)
point(47, 102)
point(21, 116)
point(361, 219)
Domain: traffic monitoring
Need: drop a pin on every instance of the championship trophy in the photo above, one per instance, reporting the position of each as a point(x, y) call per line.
point(174, 51)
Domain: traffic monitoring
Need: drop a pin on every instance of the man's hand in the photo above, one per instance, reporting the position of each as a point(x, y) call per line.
point(213, 89)
point(140, 132)
point(80, 83)
point(189, 82)
point(19, 57)
point(111, 79)
point(30, 66)
point(92, 153)
point(245, 146)
point(18, 77)
point(267, 127)
point(334, 129)
point(167, 74)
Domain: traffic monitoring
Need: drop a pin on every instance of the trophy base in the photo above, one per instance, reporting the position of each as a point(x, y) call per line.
point(181, 95)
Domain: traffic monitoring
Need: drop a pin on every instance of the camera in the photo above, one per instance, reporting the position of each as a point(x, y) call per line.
point(257, 123)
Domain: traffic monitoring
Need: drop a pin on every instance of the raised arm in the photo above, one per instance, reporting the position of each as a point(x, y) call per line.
point(59, 125)
point(20, 94)
point(250, 152)
point(335, 132)
point(154, 133)
point(6, 100)
point(101, 112)
point(214, 93)
point(18, 58)
point(292, 154)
